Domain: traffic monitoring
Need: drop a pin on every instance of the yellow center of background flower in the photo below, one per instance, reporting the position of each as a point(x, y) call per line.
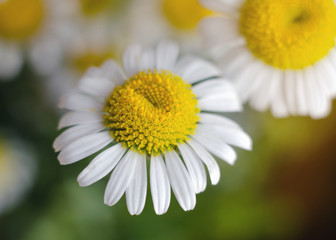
point(289, 34)
point(152, 112)
point(184, 14)
point(93, 7)
point(89, 59)
point(20, 19)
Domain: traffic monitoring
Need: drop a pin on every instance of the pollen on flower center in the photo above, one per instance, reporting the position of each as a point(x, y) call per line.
point(152, 112)
point(289, 34)
point(20, 19)
point(184, 14)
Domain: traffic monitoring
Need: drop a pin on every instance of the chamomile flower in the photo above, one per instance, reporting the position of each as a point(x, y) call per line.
point(93, 45)
point(17, 170)
point(153, 20)
point(158, 109)
point(280, 53)
point(32, 25)
point(97, 34)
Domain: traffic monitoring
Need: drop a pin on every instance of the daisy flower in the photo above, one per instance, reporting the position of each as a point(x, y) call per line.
point(153, 20)
point(96, 35)
point(159, 109)
point(280, 53)
point(17, 170)
point(37, 26)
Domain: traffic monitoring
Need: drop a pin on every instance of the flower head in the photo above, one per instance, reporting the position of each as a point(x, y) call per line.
point(35, 27)
point(280, 53)
point(17, 171)
point(159, 109)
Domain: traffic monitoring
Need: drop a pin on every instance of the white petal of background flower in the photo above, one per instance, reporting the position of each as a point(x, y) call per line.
point(131, 60)
point(11, 60)
point(166, 55)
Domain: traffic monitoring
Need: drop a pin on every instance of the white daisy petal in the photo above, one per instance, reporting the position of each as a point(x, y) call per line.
point(208, 160)
point(180, 181)
point(111, 70)
point(121, 178)
point(261, 98)
point(80, 102)
point(209, 28)
point(319, 106)
point(137, 189)
point(160, 186)
point(94, 85)
point(279, 108)
point(212, 87)
point(73, 133)
point(166, 55)
point(101, 165)
point(216, 146)
point(233, 60)
point(233, 136)
point(331, 71)
point(243, 84)
point(76, 118)
point(84, 147)
point(147, 60)
point(131, 60)
point(208, 118)
point(302, 104)
point(224, 6)
point(192, 69)
point(228, 102)
point(194, 166)
point(290, 91)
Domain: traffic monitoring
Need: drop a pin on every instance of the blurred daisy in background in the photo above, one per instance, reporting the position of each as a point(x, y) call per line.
point(17, 170)
point(35, 27)
point(154, 20)
point(280, 53)
point(159, 108)
point(97, 35)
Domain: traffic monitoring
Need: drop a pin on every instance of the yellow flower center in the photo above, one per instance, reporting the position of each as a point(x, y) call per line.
point(289, 34)
point(20, 19)
point(89, 59)
point(152, 112)
point(184, 14)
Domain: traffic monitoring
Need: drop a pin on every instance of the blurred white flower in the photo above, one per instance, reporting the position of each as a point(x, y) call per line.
point(154, 20)
point(159, 108)
point(17, 170)
point(280, 54)
point(37, 27)
point(97, 34)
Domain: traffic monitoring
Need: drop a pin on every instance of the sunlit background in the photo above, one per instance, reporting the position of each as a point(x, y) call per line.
point(284, 189)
